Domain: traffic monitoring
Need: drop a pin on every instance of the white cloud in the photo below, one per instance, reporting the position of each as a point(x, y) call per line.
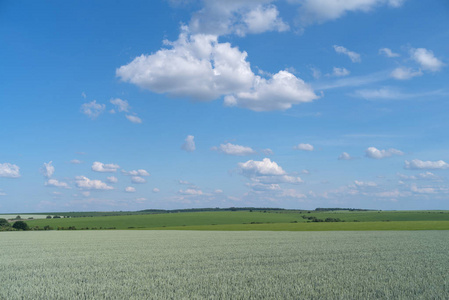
point(262, 19)
point(112, 179)
point(320, 11)
point(196, 66)
point(140, 172)
point(83, 94)
point(340, 72)
point(304, 147)
point(388, 53)
point(241, 17)
point(138, 179)
point(267, 151)
point(266, 172)
point(257, 186)
point(316, 73)
point(121, 105)
point(424, 190)
point(279, 92)
point(2, 193)
point(189, 144)
point(402, 73)
point(85, 183)
point(9, 170)
point(101, 167)
point(426, 59)
point(218, 191)
point(47, 169)
point(92, 109)
point(184, 182)
point(373, 152)
point(417, 164)
point(56, 183)
point(134, 119)
point(156, 190)
point(199, 67)
point(291, 193)
point(76, 161)
point(85, 194)
point(191, 192)
point(261, 168)
point(365, 183)
point(232, 149)
point(353, 56)
point(345, 156)
point(429, 176)
point(130, 189)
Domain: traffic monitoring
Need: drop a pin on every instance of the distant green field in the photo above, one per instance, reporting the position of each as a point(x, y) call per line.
point(245, 220)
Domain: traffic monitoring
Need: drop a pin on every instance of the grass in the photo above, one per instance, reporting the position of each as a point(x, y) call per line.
point(245, 220)
point(224, 265)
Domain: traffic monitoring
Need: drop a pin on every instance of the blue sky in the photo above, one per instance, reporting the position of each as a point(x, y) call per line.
point(178, 104)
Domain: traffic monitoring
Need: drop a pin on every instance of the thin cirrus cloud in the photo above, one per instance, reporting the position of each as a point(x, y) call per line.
point(232, 149)
point(403, 73)
point(200, 68)
point(417, 164)
point(340, 72)
point(104, 168)
point(375, 153)
point(9, 170)
point(353, 56)
point(134, 119)
point(320, 11)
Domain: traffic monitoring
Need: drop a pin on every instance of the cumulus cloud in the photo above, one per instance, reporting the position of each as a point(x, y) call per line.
point(134, 119)
point(320, 11)
point(121, 105)
point(373, 152)
point(353, 56)
point(56, 183)
point(112, 179)
point(232, 149)
point(240, 17)
point(47, 169)
point(345, 156)
point(9, 170)
point(423, 190)
point(156, 190)
point(199, 67)
point(101, 167)
point(140, 172)
point(130, 189)
point(85, 183)
point(417, 164)
point(388, 53)
point(304, 147)
point(189, 144)
point(280, 92)
point(138, 179)
point(340, 72)
point(426, 59)
point(92, 109)
point(266, 172)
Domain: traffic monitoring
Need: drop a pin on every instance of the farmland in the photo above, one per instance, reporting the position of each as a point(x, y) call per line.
point(224, 265)
point(260, 220)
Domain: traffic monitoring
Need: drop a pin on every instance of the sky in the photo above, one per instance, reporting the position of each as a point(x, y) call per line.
point(119, 105)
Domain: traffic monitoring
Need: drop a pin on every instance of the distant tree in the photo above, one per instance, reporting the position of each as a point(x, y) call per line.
point(56, 217)
point(21, 225)
point(48, 217)
point(18, 218)
point(3, 222)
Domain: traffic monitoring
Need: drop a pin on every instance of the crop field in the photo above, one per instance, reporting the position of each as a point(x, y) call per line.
point(146, 264)
point(245, 220)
